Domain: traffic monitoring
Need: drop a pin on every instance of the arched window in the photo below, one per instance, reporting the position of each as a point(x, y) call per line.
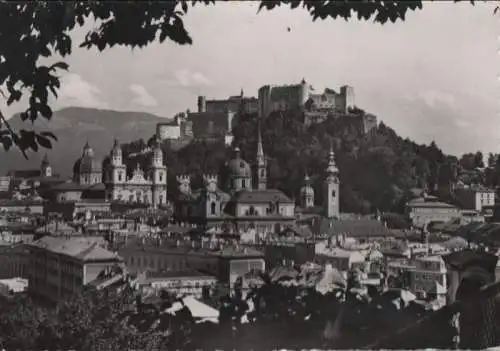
point(333, 193)
point(120, 176)
point(212, 208)
point(161, 177)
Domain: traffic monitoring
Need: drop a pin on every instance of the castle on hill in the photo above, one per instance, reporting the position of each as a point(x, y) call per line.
point(214, 119)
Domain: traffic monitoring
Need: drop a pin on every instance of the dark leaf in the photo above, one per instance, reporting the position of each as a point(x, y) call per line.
point(14, 96)
point(45, 110)
point(60, 65)
point(44, 142)
point(49, 134)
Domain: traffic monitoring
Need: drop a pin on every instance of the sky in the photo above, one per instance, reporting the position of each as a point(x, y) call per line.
point(434, 76)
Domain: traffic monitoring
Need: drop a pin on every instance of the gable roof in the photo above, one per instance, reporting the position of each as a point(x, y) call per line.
point(82, 248)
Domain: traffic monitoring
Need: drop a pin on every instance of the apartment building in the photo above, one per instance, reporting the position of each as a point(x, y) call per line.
point(60, 266)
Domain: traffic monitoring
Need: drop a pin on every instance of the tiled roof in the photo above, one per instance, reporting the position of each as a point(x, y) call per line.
point(422, 202)
point(261, 196)
point(81, 247)
point(96, 253)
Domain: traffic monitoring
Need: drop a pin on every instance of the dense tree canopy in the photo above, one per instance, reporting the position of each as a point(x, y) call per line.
point(33, 31)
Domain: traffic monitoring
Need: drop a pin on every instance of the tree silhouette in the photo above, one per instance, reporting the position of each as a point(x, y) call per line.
point(31, 32)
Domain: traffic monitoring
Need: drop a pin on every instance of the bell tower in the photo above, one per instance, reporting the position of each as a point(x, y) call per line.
point(158, 176)
point(331, 188)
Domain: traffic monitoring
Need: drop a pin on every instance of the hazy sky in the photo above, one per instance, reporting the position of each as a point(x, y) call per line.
point(432, 77)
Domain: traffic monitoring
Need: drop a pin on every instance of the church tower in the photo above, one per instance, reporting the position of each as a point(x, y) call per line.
point(158, 177)
point(45, 168)
point(261, 175)
point(307, 194)
point(331, 189)
point(117, 175)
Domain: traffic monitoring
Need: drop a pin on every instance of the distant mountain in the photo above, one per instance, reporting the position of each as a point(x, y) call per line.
point(73, 126)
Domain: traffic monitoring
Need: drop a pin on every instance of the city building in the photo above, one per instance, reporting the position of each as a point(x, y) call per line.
point(424, 210)
point(27, 205)
point(178, 283)
point(428, 277)
point(14, 260)
point(475, 197)
point(341, 259)
point(225, 263)
point(61, 266)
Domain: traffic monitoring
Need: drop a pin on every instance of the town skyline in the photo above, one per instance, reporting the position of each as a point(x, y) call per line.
point(438, 100)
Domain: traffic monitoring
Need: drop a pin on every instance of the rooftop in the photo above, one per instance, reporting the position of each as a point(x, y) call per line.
point(261, 196)
point(428, 203)
point(83, 248)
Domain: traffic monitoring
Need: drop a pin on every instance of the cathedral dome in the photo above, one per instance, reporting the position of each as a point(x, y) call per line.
point(238, 167)
point(88, 163)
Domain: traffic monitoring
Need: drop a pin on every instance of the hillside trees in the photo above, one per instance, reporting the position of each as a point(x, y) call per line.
point(377, 170)
point(32, 32)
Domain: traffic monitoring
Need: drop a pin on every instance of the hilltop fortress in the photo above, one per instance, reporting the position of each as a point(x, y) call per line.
point(301, 97)
point(214, 118)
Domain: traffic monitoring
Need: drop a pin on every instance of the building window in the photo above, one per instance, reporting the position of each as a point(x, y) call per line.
point(212, 208)
point(161, 177)
point(120, 176)
point(262, 173)
point(243, 183)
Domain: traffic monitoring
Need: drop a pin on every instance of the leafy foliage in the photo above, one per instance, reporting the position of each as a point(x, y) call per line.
point(89, 321)
point(33, 31)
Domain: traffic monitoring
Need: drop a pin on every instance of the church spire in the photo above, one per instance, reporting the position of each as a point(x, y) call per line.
point(260, 148)
point(261, 161)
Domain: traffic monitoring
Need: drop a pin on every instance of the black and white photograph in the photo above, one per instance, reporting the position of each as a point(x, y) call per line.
point(249, 175)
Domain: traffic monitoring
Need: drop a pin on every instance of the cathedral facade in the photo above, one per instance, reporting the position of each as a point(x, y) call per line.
point(149, 188)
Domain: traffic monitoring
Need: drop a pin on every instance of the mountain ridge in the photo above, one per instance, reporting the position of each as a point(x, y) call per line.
point(74, 126)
